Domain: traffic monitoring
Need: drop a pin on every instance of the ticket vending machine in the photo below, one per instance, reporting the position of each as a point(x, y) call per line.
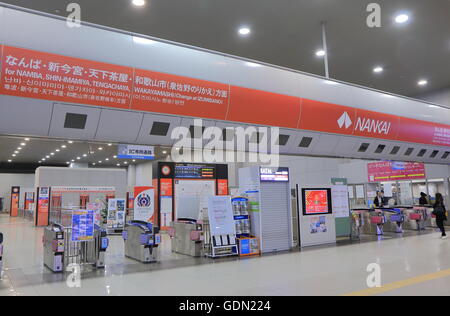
point(317, 223)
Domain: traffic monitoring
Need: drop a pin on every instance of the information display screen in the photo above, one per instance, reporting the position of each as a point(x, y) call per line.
point(316, 201)
point(268, 174)
point(193, 171)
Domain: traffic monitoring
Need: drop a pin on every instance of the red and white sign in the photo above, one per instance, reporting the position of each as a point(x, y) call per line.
point(40, 75)
point(393, 171)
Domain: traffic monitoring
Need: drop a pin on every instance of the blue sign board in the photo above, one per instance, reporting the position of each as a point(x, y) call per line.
point(82, 225)
point(136, 152)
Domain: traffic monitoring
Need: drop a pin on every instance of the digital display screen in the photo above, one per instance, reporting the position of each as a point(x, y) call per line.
point(268, 174)
point(192, 171)
point(316, 201)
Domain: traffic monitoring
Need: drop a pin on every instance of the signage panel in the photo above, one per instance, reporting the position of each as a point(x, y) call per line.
point(144, 204)
point(136, 152)
point(316, 201)
point(82, 225)
point(269, 174)
point(395, 170)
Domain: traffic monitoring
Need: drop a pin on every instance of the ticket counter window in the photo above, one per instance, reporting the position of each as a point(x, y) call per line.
point(405, 193)
point(418, 186)
point(390, 192)
point(436, 186)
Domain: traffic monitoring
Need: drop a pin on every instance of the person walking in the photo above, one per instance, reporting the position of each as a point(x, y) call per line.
point(440, 213)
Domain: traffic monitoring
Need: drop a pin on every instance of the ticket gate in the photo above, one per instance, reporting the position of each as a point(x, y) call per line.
point(372, 221)
point(97, 248)
point(187, 238)
point(357, 222)
point(60, 250)
point(419, 214)
point(394, 220)
point(54, 247)
point(141, 241)
point(1, 255)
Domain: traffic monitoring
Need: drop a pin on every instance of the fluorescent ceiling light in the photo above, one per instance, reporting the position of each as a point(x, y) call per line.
point(378, 69)
point(138, 3)
point(422, 82)
point(244, 31)
point(401, 18)
point(320, 53)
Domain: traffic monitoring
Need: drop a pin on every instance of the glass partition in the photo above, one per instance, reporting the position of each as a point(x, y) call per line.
point(417, 187)
point(436, 186)
point(405, 196)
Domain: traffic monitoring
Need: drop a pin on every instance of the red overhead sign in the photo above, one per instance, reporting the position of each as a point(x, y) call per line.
point(40, 75)
point(395, 170)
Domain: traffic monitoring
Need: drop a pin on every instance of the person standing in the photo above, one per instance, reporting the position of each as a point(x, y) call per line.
point(440, 213)
point(379, 200)
point(423, 199)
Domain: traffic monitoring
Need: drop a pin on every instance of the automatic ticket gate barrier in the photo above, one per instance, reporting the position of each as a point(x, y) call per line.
point(141, 241)
point(357, 223)
point(60, 250)
point(371, 221)
point(418, 216)
point(394, 220)
point(1, 255)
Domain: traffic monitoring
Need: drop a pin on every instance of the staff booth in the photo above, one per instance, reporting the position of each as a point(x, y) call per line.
point(183, 189)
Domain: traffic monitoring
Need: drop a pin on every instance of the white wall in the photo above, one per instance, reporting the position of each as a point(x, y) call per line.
point(144, 174)
point(438, 97)
point(7, 180)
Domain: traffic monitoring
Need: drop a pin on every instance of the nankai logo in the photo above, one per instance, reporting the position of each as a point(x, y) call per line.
point(365, 125)
point(373, 126)
point(345, 120)
point(144, 200)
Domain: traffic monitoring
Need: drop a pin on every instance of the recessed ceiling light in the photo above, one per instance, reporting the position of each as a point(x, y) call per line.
point(70, 142)
point(78, 158)
point(126, 162)
point(378, 69)
point(401, 18)
point(118, 165)
point(320, 53)
point(16, 152)
point(27, 139)
point(23, 144)
point(57, 150)
point(63, 146)
point(244, 31)
point(100, 148)
point(134, 160)
point(94, 163)
point(73, 160)
point(9, 160)
point(52, 154)
point(107, 159)
point(84, 155)
point(422, 82)
point(14, 155)
point(68, 162)
point(115, 157)
point(109, 144)
point(19, 148)
point(139, 3)
point(47, 157)
point(100, 161)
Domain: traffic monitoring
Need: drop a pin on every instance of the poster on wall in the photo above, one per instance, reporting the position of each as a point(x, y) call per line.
point(395, 171)
point(144, 204)
point(339, 198)
point(316, 201)
point(318, 225)
point(116, 213)
point(43, 204)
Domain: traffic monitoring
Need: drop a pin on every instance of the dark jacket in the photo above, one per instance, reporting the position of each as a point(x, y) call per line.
point(440, 216)
point(423, 200)
point(379, 201)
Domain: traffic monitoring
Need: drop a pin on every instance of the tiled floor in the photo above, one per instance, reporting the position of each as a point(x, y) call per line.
point(316, 271)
